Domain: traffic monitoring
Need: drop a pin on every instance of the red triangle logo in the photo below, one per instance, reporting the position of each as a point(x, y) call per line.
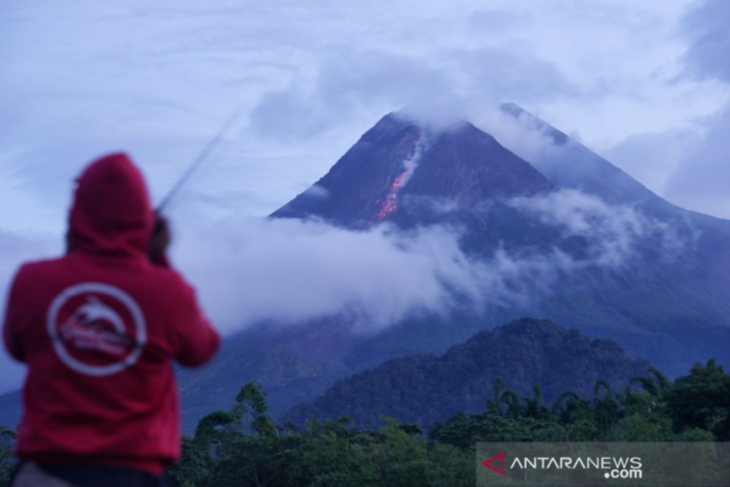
point(496, 458)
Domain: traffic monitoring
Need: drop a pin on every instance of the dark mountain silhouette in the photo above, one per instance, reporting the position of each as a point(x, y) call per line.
point(423, 389)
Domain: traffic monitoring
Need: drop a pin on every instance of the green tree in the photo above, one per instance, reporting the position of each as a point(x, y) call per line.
point(7, 439)
point(534, 407)
point(606, 407)
point(251, 407)
point(701, 399)
point(242, 446)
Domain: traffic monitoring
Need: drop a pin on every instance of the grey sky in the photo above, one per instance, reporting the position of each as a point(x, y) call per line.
point(85, 77)
point(645, 83)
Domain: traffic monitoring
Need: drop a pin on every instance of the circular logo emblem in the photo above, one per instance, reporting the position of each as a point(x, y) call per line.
point(96, 329)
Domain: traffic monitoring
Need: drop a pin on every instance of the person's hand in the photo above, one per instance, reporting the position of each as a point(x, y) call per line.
point(160, 240)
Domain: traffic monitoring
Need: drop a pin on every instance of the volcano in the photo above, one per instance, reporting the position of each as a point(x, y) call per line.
point(641, 271)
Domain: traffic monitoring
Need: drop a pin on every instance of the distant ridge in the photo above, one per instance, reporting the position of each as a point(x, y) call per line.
point(423, 389)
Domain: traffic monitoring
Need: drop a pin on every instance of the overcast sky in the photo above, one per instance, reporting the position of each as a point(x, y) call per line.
point(645, 83)
point(642, 82)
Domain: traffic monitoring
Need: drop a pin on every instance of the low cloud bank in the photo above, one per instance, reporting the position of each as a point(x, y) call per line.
point(291, 271)
point(286, 271)
point(613, 232)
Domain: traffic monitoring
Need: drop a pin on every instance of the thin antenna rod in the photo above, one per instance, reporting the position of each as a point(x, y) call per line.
point(198, 161)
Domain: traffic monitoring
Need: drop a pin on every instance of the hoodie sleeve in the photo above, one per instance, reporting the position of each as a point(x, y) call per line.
point(17, 315)
point(197, 341)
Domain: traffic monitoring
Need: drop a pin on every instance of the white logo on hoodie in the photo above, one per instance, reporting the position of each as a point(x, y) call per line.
point(96, 329)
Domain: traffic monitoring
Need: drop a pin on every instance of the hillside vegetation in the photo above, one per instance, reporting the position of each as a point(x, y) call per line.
point(241, 446)
point(423, 389)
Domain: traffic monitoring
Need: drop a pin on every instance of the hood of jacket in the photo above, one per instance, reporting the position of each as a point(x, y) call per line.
point(111, 212)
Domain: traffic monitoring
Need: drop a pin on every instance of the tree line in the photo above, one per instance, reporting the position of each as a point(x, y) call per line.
point(242, 446)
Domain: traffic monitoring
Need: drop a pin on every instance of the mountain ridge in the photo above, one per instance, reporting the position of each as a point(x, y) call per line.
point(423, 389)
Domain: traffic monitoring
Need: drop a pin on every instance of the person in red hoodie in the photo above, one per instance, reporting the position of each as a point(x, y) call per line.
point(99, 329)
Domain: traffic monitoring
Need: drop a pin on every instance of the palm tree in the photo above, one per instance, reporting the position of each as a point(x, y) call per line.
point(252, 400)
point(656, 385)
point(560, 406)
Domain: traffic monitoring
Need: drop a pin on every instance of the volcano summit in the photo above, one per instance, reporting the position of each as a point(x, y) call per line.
point(397, 163)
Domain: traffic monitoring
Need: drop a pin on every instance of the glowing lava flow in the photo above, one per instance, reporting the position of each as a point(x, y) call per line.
point(391, 201)
point(390, 204)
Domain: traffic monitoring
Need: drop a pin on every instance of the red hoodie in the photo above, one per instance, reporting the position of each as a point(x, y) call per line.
point(99, 329)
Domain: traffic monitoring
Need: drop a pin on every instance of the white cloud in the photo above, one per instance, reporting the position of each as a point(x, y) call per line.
point(289, 271)
point(519, 134)
point(613, 232)
point(252, 270)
